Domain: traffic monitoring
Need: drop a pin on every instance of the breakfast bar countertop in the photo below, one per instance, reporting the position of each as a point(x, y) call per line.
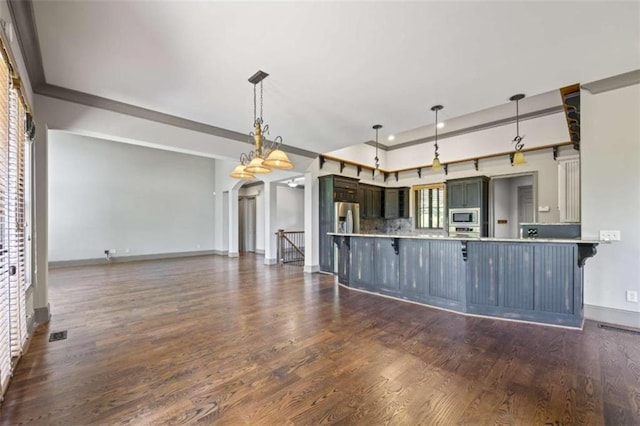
point(486, 239)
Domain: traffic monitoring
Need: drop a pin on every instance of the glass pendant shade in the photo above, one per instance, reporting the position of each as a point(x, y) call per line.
point(240, 173)
point(256, 166)
point(518, 158)
point(436, 164)
point(278, 160)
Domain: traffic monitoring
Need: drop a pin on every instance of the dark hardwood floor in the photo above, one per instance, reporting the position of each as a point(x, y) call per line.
point(231, 341)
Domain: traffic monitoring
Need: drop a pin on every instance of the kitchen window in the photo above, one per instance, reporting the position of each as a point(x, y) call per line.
point(429, 206)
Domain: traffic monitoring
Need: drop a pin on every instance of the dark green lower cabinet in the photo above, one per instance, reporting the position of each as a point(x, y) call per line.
point(530, 281)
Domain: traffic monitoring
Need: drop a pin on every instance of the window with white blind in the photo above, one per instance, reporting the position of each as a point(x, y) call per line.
point(15, 225)
point(5, 314)
point(14, 272)
point(429, 206)
point(569, 189)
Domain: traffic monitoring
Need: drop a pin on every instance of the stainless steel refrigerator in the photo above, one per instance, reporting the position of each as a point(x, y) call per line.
point(347, 221)
point(347, 218)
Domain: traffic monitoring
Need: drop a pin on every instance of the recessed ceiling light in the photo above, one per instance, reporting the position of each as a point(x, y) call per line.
point(440, 125)
point(391, 137)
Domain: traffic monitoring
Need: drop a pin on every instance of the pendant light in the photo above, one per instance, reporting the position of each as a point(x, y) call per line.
point(436, 166)
point(376, 170)
point(518, 155)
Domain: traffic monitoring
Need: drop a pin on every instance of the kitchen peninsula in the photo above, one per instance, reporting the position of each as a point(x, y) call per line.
point(538, 280)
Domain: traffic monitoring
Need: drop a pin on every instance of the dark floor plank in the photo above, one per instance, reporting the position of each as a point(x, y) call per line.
point(232, 341)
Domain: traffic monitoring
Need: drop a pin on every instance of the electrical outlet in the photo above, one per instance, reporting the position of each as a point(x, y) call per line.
point(126, 250)
point(113, 251)
point(632, 296)
point(609, 235)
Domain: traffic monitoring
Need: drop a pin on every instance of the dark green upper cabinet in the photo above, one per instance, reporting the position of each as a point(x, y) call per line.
point(396, 203)
point(470, 192)
point(370, 200)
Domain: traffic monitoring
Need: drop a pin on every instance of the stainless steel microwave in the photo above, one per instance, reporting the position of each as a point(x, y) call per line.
point(464, 217)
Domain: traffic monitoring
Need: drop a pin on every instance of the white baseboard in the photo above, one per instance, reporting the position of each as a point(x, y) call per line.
point(270, 261)
point(135, 258)
point(311, 269)
point(612, 316)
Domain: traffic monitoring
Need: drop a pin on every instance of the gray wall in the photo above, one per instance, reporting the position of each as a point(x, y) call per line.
point(501, 206)
point(137, 200)
point(290, 208)
point(611, 195)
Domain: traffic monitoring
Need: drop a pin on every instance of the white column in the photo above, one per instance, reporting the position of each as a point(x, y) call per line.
point(41, 224)
point(311, 220)
point(270, 215)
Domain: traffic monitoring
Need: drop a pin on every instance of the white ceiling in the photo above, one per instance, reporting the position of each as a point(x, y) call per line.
point(335, 68)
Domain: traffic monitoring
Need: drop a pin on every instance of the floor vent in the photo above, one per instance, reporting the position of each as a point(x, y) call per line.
point(618, 328)
point(57, 335)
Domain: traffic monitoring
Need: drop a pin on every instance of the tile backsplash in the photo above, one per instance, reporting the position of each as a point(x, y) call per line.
point(393, 226)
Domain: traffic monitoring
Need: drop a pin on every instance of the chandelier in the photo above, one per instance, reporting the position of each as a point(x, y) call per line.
point(267, 154)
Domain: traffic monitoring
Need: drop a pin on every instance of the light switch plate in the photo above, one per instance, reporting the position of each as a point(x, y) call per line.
point(609, 235)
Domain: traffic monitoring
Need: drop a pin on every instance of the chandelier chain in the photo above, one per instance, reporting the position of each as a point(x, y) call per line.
point(254, 104)
point(261, 97)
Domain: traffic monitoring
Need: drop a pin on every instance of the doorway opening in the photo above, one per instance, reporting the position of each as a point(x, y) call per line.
point(247, 224)
point(514, 200)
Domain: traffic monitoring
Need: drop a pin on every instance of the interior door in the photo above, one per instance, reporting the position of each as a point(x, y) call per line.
point(250, 224)
point(525, 204)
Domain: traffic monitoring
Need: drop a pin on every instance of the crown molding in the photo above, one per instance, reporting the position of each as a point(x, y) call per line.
point(471, 129)
point(26, 31)
point(612, 83)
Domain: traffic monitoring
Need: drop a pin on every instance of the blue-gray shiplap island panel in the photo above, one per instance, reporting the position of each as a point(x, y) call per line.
point(413, 272)
point(446, 273)
point(386, 265)
point(362, 273)
point(516, 274)
point(483, 274)
point(540, 281)
point(553, 279)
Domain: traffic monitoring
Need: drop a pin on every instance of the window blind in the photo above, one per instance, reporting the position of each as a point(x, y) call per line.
point(5, 317)
point(14, 272)
point(15, 226)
